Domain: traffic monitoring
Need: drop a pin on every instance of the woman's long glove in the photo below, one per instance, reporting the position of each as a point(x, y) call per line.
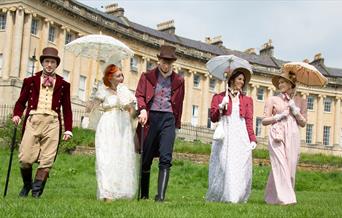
point(279, 117)
point(224, 102)
point(253, 145)
point(294, 109)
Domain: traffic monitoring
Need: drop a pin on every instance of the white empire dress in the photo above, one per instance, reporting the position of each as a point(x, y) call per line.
point(230, 167)
point(116, 160)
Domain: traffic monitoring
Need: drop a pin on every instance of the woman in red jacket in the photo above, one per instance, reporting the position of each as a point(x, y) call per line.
point(230, 167)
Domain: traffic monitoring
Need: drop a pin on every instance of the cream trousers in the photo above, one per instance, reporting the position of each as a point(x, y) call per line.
point(40, 141)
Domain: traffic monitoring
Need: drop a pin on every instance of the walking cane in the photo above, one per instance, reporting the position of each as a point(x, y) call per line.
point(141, 159)
point(10, 160)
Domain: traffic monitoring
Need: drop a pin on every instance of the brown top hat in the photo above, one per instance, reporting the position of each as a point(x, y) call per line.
point(50, 52)
point(288, 76)
point(167, 52)
point(242, 70)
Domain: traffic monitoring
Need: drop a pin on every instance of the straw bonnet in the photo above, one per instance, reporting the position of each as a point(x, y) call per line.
point(288, 76)
point(247, 74)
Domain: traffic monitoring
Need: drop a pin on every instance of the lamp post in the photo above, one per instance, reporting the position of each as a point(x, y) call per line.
point(34, 60)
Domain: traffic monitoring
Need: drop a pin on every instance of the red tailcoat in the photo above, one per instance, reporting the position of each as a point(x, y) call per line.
point(145, 94)
point(60, 98)
point(246, 111)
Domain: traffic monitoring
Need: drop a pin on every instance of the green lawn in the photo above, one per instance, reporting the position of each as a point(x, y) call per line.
point(71, 192)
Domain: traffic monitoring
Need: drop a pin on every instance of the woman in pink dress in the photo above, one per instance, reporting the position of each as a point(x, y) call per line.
point(285, 113)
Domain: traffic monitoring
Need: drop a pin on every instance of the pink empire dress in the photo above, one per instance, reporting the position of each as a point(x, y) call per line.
point(284, 149)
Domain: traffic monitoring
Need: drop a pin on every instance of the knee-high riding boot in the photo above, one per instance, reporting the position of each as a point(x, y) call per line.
point(26, 174)
point(39, 182)
point(145, 185)
point(163, 179)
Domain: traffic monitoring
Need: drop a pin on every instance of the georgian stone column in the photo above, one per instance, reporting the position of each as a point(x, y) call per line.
point(303, 130)
point(319, 127)
point(337, 127)
point(26, 45)
point(205, 101)
point(92, 81)
point(144, 64)
point(270, 91)
point(17, 40)
point(254, 88)
point(75, 77)
point(44, 34)
point(60, 45)
point(8, 45)
point(188, 97)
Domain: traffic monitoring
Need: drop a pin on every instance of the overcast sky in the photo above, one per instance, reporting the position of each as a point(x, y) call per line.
point(298, 29)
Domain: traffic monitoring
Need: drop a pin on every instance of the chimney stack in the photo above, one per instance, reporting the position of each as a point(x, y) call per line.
point(267, 49)
point(318, 58)
point(250, 51)
point(167, 27)
point(217, 40)
point(115, 10)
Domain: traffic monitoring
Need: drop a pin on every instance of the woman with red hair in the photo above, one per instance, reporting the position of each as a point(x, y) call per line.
point(116, 162)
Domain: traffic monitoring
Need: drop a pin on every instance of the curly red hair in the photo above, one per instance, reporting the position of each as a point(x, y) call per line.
point(110, 70)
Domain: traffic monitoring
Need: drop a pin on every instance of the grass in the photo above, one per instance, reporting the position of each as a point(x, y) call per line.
point(71, 192)
point(198, 147)
point(86, 137)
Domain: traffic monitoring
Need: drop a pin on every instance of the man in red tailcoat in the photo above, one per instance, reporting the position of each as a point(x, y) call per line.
point(160, 95)
point(45, 94)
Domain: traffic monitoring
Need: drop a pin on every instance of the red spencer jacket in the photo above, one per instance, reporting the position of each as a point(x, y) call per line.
point(60, 98)
point(246, 111)
point(145, 94)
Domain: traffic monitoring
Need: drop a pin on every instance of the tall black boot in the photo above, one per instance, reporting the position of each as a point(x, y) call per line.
point(145, 185)
point(163, 179)
point(26, 174)
point(39, 182)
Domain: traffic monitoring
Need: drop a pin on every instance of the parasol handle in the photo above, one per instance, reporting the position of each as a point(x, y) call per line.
point(226, 106)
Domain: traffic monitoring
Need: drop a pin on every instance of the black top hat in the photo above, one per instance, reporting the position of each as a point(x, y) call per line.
point(167, 52)
point(50, 52)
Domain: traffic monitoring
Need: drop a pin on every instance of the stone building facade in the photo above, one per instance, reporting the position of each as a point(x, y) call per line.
point(26, 27)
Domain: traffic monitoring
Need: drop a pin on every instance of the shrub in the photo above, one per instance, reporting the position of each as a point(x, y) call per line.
point(81, 137)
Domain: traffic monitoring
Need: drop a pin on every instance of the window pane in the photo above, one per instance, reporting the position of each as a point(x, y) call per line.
point(208, 120)
point(326, 135)
point(134, 64)
point(30, 68)
point(150, 65)
point(66, 74)
point(308, 138)
point(82, 89)
point(68, 37)
point(212, 84)
point(310, 101)
point(258, 125)
point(260, 94)
point(34, 27)
point(2, 21)
point(52, 31)
point(181, 73)
point(194, 118)
point(327, 104)
point(197, 81)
